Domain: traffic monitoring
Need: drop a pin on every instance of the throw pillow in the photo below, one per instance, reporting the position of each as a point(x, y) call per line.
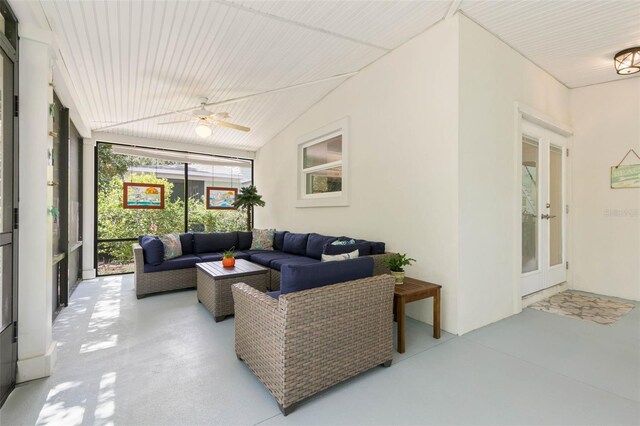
point(152, 250)
point(172, 246)
point(341, 242)
point(364, 249)
point(335, 257)
point(262, 239)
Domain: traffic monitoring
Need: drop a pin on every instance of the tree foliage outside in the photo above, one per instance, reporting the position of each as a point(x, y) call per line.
point(116, 222)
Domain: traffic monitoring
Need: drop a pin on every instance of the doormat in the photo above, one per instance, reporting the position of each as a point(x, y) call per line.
point(577, 305)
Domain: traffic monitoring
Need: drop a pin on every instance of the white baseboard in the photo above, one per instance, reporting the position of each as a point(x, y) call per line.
point(543, 294)
point(37, 367)
point(88, 274)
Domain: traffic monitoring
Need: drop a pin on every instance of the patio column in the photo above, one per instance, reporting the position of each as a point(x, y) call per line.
point(88, 206)
point(36, 348)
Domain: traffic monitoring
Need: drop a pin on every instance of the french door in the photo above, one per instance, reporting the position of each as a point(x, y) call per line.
point(544, 221)
point(8, 293)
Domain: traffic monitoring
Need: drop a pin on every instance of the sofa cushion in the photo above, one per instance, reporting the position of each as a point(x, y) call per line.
point(377, 247)
point(295, 243)
point(274, 294)
point(299, 277)
point(172, 246)
point(294, 260)
point(210, 242)
point(266, 258)
point(152, 249)
point(262, 239)
point(215, 257)
point(364, 249)
point(186, 240)
point(278, 240)
point(182, 262)
point(316, 244)
point(244, 240)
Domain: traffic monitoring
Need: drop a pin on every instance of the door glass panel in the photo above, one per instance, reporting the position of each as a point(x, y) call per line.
point(529, 205)
point(555, 206)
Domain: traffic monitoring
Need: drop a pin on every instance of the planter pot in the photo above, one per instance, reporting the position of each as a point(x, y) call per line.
point(228, 262)
point(399, 276)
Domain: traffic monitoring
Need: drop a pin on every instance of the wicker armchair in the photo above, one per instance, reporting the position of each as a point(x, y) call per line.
point(310, 340)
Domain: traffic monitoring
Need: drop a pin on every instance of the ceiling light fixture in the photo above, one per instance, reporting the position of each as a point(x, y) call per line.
point(203, 130)
point(627, 61)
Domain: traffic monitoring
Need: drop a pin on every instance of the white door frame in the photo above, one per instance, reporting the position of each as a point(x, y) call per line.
point(524, 112)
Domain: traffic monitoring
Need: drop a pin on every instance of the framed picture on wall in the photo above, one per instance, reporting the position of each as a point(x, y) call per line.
point(219, 198)
point(142, 195)
point(623, 177)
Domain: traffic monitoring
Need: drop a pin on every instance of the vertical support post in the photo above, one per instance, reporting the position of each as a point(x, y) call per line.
point(36, 348)
point(88, 207)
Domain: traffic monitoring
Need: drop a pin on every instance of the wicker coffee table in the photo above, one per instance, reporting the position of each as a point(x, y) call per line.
point(214, 284)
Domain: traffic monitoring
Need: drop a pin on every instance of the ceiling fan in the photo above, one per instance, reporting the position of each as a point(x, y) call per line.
point(206, 119)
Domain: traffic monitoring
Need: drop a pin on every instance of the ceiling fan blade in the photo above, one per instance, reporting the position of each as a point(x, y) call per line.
point(174, 122)
point(231, 125)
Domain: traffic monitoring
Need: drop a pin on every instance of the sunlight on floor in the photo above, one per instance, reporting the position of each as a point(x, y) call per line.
point(55, 411)
point(106, 400)
point(105, 313)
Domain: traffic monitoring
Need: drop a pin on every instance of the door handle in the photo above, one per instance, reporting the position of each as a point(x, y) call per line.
point(546, 216)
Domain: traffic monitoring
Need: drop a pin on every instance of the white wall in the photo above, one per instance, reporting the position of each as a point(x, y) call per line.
point(403, 128)
point(493, 77)
point(606, 231)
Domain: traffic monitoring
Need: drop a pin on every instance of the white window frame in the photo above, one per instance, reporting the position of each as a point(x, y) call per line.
point(328, 199)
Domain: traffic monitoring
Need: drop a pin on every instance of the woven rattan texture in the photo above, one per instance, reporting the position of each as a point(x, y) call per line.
point(215, 292)
point(310, 340)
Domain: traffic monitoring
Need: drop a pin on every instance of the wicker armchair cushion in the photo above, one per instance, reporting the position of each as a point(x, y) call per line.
point(295, 243)
point(298, 277)
point(182, 262)
point(152, 249)
point(244, 240)
point(364, 249)
point(211, 242)
point(316, 244)
point(274, 294)
point(278, 240)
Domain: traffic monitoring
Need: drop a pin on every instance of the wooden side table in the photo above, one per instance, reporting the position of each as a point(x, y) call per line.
point(411, 291)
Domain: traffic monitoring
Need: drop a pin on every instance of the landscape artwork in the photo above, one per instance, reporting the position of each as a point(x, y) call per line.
point(623, 177)
point(221, 198)
point(143, 196)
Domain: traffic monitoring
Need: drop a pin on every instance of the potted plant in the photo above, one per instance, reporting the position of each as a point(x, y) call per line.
point(228, 258)
point(396, 263)
point(247, 199)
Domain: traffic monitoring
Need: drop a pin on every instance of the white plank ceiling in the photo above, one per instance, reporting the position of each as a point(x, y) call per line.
point(575, 41)
point(134, 59)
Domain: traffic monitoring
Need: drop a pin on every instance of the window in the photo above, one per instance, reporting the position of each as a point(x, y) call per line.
point(322, 167)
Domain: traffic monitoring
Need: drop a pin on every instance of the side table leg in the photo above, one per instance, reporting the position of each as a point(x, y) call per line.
point(401, 324)
point(436, 315)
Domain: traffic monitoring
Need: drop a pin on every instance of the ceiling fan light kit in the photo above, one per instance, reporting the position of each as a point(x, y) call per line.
point(203, 130)
point(627, 61)
point(205, 119)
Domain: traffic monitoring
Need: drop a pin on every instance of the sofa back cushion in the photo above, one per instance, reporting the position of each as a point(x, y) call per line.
point(295, 243)
point(364, 249)
point(316, 243)
point(278, 240)
point(152, 249)
point(244, 240)
point(210, 242)
point(297, 277)
point(186, 240)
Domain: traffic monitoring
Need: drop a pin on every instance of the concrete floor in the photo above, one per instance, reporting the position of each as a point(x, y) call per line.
point(163, 360)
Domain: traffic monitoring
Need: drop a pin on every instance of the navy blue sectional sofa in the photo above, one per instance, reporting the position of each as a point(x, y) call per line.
point(154, 275)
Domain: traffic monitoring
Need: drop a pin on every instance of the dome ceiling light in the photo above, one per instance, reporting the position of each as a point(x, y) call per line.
point(627, 61)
